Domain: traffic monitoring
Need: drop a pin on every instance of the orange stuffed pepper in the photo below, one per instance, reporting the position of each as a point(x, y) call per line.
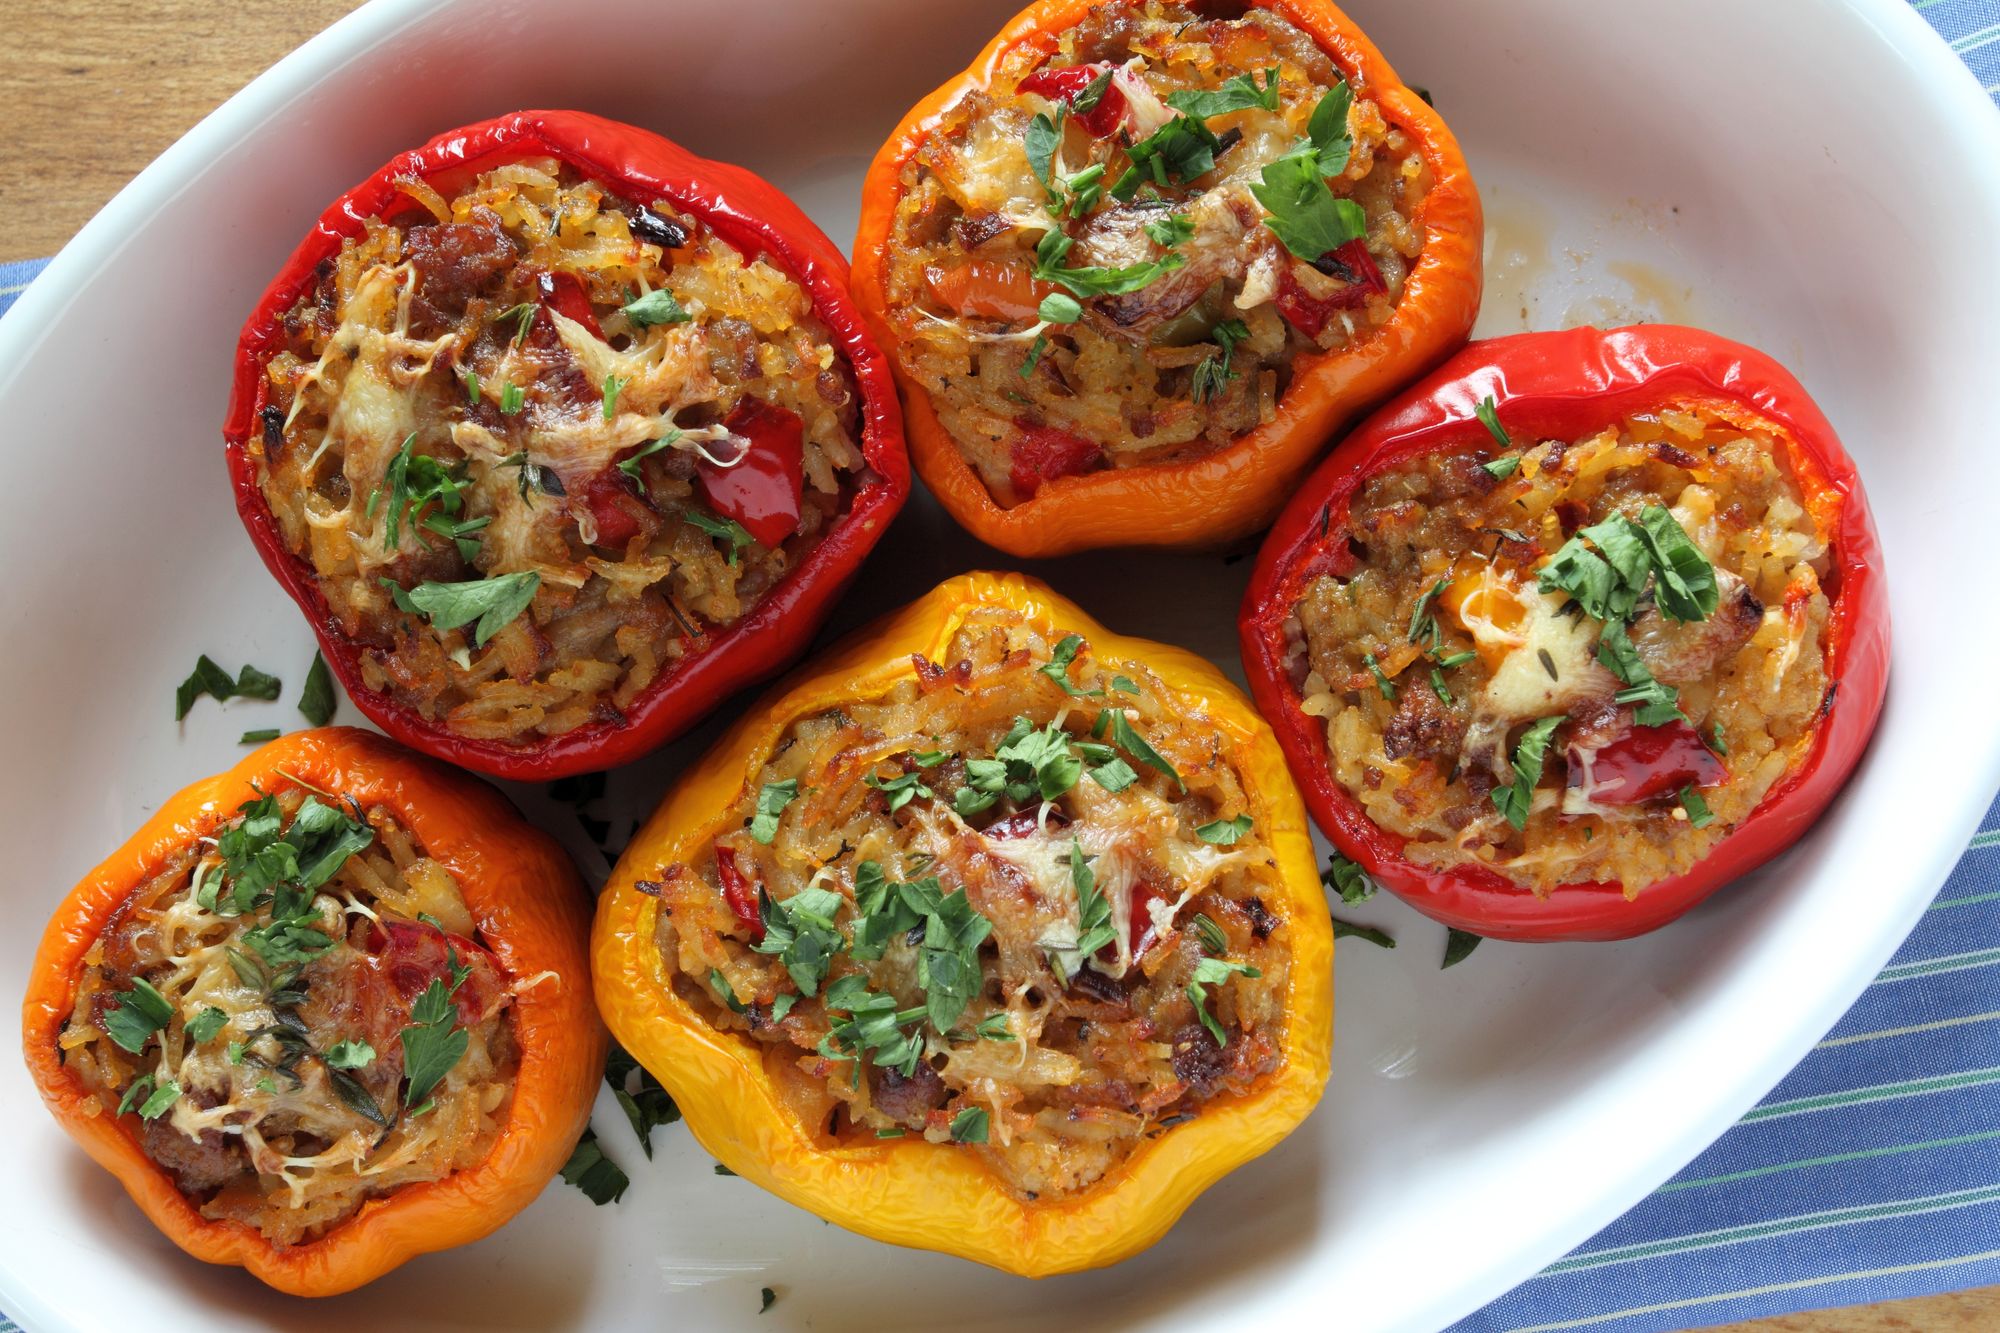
point(997, 934)
point(1143, 258)
point(326, 1011)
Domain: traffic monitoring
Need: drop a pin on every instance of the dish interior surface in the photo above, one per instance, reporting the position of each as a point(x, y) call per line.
point(1479, 1121)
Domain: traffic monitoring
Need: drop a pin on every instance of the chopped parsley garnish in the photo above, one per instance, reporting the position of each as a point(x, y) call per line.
point(1697, 809)
point(139, 1013)
point(1515, 799)
point(970, 1125)
point(630, 466)
point(416, 482)
point(1094, 928)
point(259, 736)
point(1214, 372)
point(1684, 582)
point(1488, 413)
point(772, 799)
point(1095, 280)
point(150, 1100)
point(1043, 140)
point(1657, 703)
point(1381, 939)
point(995, 1027)
point(658, 307)
point(645, 1103)
point(800, 933)
point(350, 1054)
point(1458, 945)
point(882, 911)
point(201, 1029)
point(601, 1179)
point(1502, 467)
point(210, 679)
point(316, 701)
point(1605, 568)
point(1117, 728)
point(948, 968)
point(1181, 149)
point(432, 1042)
point(765, 1299)
point(1224, 832)
point(726, 992)
point(1170, 231)
point(613, 386)
point(1030, 763)
point(723, 530)
point(1716, 742)
point(1058, 308)
point(1213, 941)
point(494, 602)
point(1213, 972)
point(1240, 93)
point(900, 789)
point(873, 1027)
point(1300, 209)
point(1057, 667)
point(1347, 879)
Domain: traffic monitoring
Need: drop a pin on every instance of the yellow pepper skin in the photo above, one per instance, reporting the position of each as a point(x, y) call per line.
point(908, 1191)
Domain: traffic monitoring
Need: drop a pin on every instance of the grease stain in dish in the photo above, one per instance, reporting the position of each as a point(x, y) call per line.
point(1536, 265)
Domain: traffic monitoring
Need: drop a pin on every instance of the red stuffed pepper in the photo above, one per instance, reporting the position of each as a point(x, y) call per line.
point(1576, 631)
point(559, 434)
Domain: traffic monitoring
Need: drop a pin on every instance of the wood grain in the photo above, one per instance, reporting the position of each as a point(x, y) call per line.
point(90, 96)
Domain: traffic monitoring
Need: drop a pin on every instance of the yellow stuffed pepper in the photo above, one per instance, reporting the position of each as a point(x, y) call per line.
point(993, 933)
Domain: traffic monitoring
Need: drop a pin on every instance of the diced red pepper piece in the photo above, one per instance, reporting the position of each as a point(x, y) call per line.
point(763, 490)
point(610, 499)
point(1024, 823)
point(563, 293)
point(1043, 453)
point(1066, 83)
point(1139, 927)
point(410, 955)
point(1308, 313)
point(1645, 763)
point(738, 892)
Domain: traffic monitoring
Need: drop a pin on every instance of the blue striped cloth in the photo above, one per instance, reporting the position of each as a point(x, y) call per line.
point(1873, 1171)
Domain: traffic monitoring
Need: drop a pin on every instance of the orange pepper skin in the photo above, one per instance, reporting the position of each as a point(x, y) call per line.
point(1213, 500)
point(908, 1191)
point(533, 915)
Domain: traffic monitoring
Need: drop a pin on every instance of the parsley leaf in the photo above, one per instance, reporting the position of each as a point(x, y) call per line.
point(1119, 730)
point(316, 700)
point(1224, 832)
point(645, 1103)
point(494, 602)
point(1347, 879)
point(1685, 586)
point(1515, 799)
point(210, 679)
point(259, 736)
point(1302, 211)
point(995, 1027)
point(1658, 703)
point(1381, 939)
point(140, 1013)
point(432, 1042)
point(970, 1125)
point(1488, 413)
point(1094, 929)
point(630, 466)
point(900, 789)
point(800, 932)
point(657, 307)
point(153, 1101)
point(601, 1179)
point(1170, 231)
point(1502, 467)
point(613, 386)
point(350, 1054)
point(1095, 280)
point(1043, 138)
point(1183, 148)
point(201, 1029)
point(1238, 94)
point(772, 799)
point(1697, 809)
point(1327, 128)
point(1213, 972)
point(1458, 945)
point(1057, 667)
point(948, 969)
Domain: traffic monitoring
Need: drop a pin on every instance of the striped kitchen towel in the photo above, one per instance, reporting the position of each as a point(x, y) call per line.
point(1873, 1171)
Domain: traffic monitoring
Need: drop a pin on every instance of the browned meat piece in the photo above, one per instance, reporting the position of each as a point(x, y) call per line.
point(907, 1100)
point(1116, 238)
point(455, 261)
point(1423, 728)
point(197, 1165)
point(1678, 652)
point(1198, 1061)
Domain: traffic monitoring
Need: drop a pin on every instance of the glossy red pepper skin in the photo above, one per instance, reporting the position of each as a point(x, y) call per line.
point(1066, 83)
point(745, 211)
point(760, 491)
point(1562, 386)
point(1647, 763)
point(1040, 454)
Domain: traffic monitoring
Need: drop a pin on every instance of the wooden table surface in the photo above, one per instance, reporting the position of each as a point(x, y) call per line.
point(90, 98)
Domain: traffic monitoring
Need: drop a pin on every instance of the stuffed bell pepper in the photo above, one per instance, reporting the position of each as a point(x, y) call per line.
point(1576, 631)
point(997, 934)
point(1142, 258)
point(559, 434)
point(324, 1012)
